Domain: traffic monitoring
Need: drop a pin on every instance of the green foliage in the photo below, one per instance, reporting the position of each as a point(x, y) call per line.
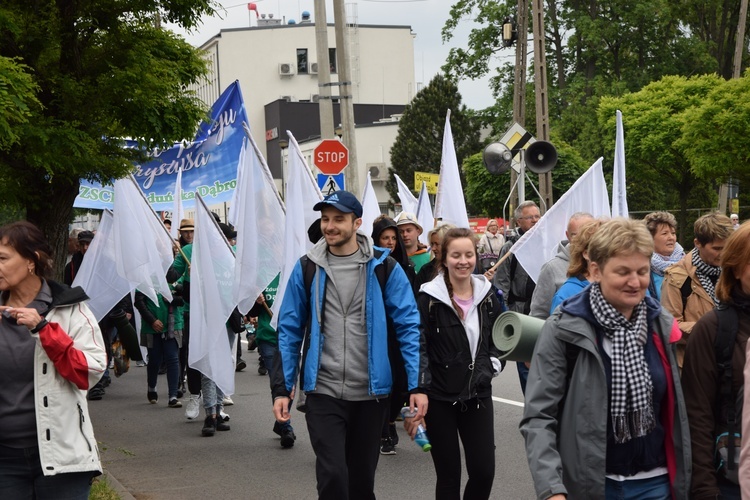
point(714, 134)
point(418, 145)
point(101, 71)
point(17, 99)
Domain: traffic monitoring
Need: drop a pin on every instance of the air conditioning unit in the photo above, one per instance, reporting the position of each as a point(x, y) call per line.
point(286, 69)
point(313, 68)
point(378, 171)
point(314, 97)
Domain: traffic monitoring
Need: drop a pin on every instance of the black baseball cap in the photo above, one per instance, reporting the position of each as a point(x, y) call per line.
point(343, 201)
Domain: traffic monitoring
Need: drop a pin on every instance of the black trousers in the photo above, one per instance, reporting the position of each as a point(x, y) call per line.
point(193, 375)
point(473, 421)
point(345, 436)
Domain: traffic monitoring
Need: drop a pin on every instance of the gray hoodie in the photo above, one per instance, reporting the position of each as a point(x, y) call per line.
point(343, 372)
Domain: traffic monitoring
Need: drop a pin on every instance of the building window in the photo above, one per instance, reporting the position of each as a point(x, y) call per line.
point(301, 61)
point(332, 59)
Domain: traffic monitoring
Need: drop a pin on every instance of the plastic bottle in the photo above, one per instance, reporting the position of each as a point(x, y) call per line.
point(421, 436)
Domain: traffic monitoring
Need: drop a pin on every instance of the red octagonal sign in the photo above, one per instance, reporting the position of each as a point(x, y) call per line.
point(331, 157)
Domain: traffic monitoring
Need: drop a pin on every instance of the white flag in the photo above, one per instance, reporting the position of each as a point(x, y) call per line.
point(142, 244)
point(450, 205)
point(619, 187)
point(211, 303)
point(259, 217)
point(302, 194)
point(409, 202)
point(424, 214)
point(539, 244)
point(370, 207)
point(177, 212)
point(98, 272)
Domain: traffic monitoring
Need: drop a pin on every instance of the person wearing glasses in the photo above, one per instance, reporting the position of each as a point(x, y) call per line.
point(511, 278)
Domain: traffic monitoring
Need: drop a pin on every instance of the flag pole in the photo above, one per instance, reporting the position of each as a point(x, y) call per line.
point(175, 245)
point(216, 224)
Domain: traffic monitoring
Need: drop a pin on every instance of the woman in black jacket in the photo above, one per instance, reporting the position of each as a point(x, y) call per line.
point(458, 310)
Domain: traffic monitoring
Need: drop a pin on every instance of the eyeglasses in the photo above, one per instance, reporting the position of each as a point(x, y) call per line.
point(531, 217)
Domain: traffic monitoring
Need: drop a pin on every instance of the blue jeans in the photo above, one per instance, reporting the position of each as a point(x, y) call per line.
point(212, 396)
point(168, 350)
point(653, 488)
point(523, 374)
point(21, 478)
point(267, 351)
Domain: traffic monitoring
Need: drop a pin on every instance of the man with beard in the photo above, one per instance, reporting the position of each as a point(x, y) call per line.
point(341, 313)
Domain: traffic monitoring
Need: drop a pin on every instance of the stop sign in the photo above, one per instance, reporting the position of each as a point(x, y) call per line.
point(331, 157)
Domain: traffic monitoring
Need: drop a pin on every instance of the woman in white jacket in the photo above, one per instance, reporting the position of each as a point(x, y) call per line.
point(51, 352)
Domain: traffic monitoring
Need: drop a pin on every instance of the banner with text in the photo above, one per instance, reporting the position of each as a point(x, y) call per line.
point(209, 163)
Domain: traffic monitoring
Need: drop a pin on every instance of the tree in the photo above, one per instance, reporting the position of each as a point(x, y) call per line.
point(102, 71)
point(418, 145)
point(654, 119)
point(17, 99)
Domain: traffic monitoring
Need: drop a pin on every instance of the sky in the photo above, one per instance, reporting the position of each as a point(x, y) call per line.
point(426, 18)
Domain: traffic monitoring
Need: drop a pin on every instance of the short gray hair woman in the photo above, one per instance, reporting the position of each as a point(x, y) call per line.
point(604, 413)
point(667, 251)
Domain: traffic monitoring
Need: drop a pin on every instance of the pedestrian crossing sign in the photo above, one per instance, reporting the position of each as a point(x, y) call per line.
point(330, 183)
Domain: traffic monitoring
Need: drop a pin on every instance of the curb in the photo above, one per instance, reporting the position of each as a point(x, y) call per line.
point(121, 491)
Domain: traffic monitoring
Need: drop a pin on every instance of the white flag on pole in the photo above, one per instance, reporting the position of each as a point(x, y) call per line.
point(142, 244)
point(98, 273)
point(177, 211)
point(619, 187)
point(259, 217)
point(424, 214)
point(409, 202)
point(370, 207)
point(450, 205)
point(539, 244)
point(302, 194)
point(211, 303)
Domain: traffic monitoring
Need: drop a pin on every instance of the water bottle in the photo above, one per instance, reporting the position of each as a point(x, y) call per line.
point(421, 436)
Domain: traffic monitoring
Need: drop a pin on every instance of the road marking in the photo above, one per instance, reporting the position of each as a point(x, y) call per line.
point(507, 401)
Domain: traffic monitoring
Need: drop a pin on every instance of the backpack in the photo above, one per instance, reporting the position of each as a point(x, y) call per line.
point(727, 450)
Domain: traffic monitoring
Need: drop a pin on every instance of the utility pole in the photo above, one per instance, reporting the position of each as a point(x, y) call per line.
point(519, 86)
point(346, 95)
point(325, 105)
point(540, 86)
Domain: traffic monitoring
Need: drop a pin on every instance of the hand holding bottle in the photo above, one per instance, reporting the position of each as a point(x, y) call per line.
point(420, 437)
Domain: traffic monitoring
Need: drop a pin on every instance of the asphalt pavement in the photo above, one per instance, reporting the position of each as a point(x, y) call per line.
point(154, 452)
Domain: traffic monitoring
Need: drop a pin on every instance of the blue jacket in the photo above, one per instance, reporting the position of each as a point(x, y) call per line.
point(298, 305)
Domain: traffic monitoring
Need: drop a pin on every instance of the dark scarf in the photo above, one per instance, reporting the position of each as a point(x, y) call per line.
point(631, 400)
point(707, 275)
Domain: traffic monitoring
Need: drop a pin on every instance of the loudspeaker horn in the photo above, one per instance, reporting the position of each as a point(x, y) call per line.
point(541, 157)
point(497, 158)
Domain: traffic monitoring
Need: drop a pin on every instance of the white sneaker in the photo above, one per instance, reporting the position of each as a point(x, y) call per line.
point(224, 416)
point(193, 408)
point(227, 401)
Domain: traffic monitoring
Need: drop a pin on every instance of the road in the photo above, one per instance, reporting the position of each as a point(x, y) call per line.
point(155, 453)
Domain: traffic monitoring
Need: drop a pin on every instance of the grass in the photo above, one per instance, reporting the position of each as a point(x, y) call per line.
point(101, 490)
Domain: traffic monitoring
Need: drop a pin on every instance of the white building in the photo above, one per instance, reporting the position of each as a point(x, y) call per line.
point(277, 62)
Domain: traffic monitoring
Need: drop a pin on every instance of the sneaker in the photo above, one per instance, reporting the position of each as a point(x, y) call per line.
point(241, 365)
point(262, 370)
point(227, 401)
point(175, 403)
point(223, 416)
point(386, 446)
point(105, 381)
point(393, 433)
point(193, 408)
point(221, 424)
point(140, 363)
point(287, 437)
point(153, 397)
point(209, 427)
point(180, 393)
point(95, 393)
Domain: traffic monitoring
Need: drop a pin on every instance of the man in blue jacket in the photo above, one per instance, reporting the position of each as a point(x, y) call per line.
point(342, 321)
